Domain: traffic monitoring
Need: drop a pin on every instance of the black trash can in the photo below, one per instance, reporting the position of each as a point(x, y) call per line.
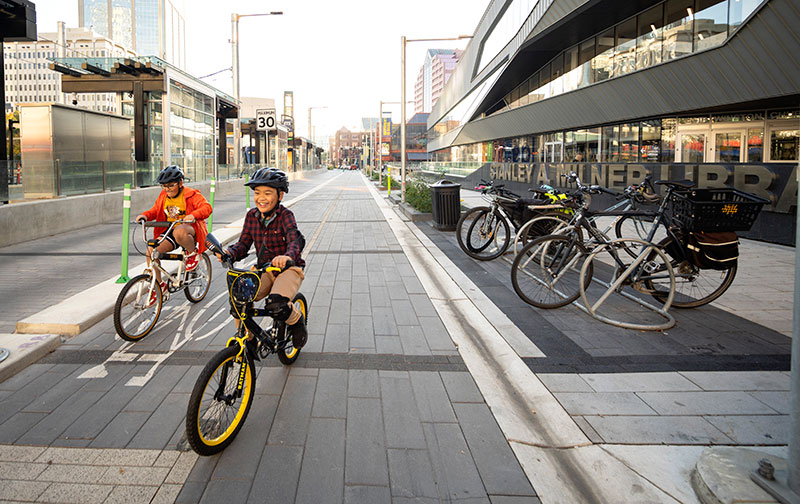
point(446, 204)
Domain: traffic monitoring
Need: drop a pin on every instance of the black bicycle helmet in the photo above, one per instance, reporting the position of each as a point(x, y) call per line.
point(271, 177)
point(171, 173)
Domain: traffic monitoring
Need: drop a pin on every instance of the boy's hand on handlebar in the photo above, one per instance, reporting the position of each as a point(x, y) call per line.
point(189, 218)
point(140, 218)
point(280, 261)
point(223, 257)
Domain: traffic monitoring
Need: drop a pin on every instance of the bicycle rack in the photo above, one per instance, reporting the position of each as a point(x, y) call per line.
point(611, 288)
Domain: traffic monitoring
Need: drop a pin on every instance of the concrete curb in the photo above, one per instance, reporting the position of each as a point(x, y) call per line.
point(24, 350)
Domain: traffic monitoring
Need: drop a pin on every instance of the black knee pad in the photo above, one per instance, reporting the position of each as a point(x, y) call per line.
point(278, 307)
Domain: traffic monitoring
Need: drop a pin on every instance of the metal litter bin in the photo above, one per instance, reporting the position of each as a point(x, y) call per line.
point(446, 204)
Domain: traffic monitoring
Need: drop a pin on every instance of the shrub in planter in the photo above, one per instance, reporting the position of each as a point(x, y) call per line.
point(418, 195)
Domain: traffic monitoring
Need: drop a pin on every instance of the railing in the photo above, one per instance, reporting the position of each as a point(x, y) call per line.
point(450, 168)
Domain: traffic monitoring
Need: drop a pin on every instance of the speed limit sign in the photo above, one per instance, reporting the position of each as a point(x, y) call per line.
point(265, 119)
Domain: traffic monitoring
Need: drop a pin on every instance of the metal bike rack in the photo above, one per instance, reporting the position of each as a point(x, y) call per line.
point(4, 353)
point(612, 288)
point(560, 228)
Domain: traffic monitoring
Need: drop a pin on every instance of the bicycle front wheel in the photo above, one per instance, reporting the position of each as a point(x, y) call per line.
point(483, 234)
point(546, 273)
point(217, 410)
point(638, 227)
point(198, 280)
point(137, 308)
point(693, 286)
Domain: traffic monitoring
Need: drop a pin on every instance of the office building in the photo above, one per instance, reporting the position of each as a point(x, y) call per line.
point(432, 76)
point(148, 27)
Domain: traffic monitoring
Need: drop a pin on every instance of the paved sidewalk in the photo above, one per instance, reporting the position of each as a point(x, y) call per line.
point(425, 380)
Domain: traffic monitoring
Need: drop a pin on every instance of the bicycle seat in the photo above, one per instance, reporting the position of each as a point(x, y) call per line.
point(678, 184)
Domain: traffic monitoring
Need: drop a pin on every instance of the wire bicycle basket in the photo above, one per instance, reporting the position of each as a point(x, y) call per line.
point(717, 209)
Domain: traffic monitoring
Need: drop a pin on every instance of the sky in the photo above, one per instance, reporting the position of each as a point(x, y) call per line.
point(343, 55)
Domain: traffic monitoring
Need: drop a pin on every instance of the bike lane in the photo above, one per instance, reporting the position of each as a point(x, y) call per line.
point(380, 406)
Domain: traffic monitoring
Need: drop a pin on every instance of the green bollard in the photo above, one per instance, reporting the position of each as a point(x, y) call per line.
point(126, 226)
point(211, 217)
point(247, 190)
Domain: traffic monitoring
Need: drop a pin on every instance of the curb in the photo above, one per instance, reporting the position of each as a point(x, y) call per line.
point(24, 350)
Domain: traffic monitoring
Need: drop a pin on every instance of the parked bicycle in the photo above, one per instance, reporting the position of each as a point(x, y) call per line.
point(484, 231)
point(224, 391)
point(139, 304)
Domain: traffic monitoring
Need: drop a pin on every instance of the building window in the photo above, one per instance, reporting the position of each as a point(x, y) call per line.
point(755, 145)
point(783, 144)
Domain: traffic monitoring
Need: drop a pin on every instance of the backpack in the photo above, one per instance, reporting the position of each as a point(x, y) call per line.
point(716, 250)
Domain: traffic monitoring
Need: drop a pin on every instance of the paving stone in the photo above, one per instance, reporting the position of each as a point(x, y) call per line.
point(413, 340)
point(21, 470)
point(422, 305)
point(415, 500)
point(461, 387)
point(679, 430)
point(513, 499)
point(54, 424)
point(588, 430)
point(354, 494)
point(365, 461)
point(342, 289)
point(166, 494)
point(132, 475)
point(456, 474)
point(363, 383)
point(404, 313)
point(739, 380)
point(413, 285)
point(411, 474)
point(119, 432)
point(11, 453)
point(279, 463)
point(754, 429)
point(361, 332)
point(604, 403)
point(180, 471)
point(225, 490)
point(564, 382)
point(383, 321)
point(340, 312)
point(330, 399)
point(240, 459)
point(400, 417)
point(388, 345)
point(131, 495)
point(431, 398)
point(436, 334)
point(379, 294)
point(95, 419)
point(337, 339)
point(498, 466)
point(156, 432)
point(75, 492)
point(18, 425)
point(294, 410)
point(705, 403)
point(167, 458)
point(322, 471)
point(15, 490)
point(639, 382)
point(779, 401)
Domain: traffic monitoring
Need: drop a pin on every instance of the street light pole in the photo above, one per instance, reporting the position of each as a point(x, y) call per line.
point(235, 68)
point(403, 42)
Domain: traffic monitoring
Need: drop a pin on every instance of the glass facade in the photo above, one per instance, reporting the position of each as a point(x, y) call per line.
point(721, 138)
point(191, 130)
point(147, 27)
point(122, 22)
point(506, 27)
point(669, 30)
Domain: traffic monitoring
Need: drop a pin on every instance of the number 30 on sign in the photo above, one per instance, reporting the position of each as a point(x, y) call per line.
point(265, 119)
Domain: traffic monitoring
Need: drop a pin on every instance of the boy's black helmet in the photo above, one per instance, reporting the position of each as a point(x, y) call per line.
point(171, 173)
point(271, 177)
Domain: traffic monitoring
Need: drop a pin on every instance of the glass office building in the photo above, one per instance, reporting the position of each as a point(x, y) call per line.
point(149, 27)
point(701, 89)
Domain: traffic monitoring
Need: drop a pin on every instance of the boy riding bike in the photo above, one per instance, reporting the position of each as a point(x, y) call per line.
point(179, 203)
point(273, 229)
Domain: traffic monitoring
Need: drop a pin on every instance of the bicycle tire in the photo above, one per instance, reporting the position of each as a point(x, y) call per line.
point(134, 297)
point(542, 225)
point(532, 277)
point(638, 227)
point(197, 289)
point(693, 286)
point(289, 354)
point(479, 247)
point(210, 430)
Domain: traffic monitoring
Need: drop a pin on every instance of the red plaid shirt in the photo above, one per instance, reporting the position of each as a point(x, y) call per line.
point(280, 237)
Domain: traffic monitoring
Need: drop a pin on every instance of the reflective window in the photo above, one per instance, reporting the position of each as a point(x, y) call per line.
point(693, 148)
point(710, 23)
point(147, 35)
point(610, 147)
point(629, 143)
point(504, 30)
point(739, 10)
point(651, 141)
point(755, 145)
point(625, 48)
point(783, 144)
point(649, 39)
point(603, 63)
point(678, 28)
point(727, 147)
point(122, 22)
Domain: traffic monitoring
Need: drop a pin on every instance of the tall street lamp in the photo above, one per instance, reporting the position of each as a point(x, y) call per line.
point(310, 131)
point(235, 41)
point(404, 41)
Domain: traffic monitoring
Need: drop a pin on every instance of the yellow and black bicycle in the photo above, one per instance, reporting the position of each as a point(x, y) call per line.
point(224, 391)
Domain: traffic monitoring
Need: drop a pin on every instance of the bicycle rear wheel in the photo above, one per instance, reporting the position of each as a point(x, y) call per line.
point(216, 412)
point(137, 308)
point(546, 272)
point(483, 234)
point(693, 286)
point(198, 280)
point(289, 354)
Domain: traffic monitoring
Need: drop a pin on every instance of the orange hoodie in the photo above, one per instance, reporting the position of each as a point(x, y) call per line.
point(196, 205)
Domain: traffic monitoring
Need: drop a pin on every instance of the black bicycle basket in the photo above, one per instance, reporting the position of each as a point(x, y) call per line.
point(718, 209)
